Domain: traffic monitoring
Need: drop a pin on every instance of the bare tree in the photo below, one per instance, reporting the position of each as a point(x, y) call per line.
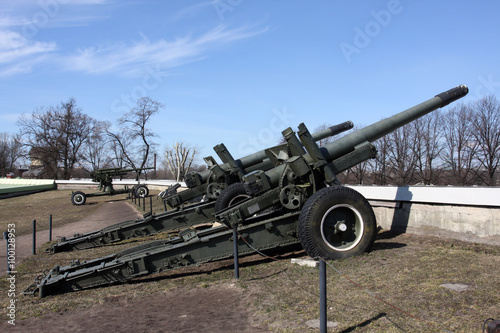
point(460, 148)
point(428, 147)
point(485, 124)
point(379, 165)
point(10, 151)
point(135, 140)
point(400, 158)
point(360, 171)
point(55, 136)
point(96, 151)
point(179, 158)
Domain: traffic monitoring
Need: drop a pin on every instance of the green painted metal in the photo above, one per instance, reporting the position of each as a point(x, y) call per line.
point(216, 178)
point(191, 248)
point(282, 207)
point(173, 220)
point(105, 179)
point(181, 217)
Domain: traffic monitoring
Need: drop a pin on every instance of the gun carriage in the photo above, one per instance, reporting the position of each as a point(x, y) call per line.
point(296, 201)
point(207, 184)
point(105, 179)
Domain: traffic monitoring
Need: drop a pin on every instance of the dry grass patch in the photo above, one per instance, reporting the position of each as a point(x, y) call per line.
point(405, 271)
point(23, 210)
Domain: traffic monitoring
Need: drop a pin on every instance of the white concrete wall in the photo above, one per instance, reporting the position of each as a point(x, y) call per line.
point(466, 213)
point(470, 196)
point(469, 214)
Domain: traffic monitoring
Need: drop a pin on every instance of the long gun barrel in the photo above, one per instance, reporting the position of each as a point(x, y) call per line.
point(347, 144)
point(385, 126)
point(259, 160)
point(206, 183)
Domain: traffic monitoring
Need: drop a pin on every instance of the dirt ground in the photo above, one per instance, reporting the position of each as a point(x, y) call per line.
point(111, 213)
point(214, 309)
point(274, 296)
point(220, 309)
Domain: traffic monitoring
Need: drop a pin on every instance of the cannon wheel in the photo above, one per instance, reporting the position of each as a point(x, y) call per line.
point(335, 223)
point(231, 195)
point(78, 198)
point(141, 191)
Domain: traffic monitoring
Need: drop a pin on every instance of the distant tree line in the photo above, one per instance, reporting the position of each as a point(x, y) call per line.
point(459, 146)
point(62, 142)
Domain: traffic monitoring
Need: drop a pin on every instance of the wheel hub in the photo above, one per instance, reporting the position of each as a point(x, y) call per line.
point(342, 227)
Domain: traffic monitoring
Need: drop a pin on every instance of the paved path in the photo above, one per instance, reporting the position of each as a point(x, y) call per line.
point(108, 214)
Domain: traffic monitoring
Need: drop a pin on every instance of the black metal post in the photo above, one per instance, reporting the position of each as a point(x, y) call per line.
point(151, 205)
point(50, 228)
point(6, 237)
point(139, 201)
point(236, 259)
point(143, 204)
point(34, 236)
point(322, 296)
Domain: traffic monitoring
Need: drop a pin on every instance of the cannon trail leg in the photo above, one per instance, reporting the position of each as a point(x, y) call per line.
point(191, 248)
point(152, 224)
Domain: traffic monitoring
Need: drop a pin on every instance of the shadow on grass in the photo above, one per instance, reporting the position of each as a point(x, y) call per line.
point(365, 323)
point(381, 243)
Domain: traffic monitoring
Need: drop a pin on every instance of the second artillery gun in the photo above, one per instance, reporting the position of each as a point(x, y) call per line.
point(105, 179)
point(298, 201)
point(207, 184)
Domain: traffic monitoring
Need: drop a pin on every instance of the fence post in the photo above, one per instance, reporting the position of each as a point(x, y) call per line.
point(143, 203)
point(151, 205)
point(50, 228)
point(236, 257)
point(6, 237)
point(34, 236)
point(322, 295)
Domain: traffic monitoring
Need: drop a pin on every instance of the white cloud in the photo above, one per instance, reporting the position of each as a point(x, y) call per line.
point(193, 10)
point(18, 54)
point(132, 58)
point(44, 13)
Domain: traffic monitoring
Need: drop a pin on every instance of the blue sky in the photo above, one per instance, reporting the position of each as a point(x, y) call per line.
point(241, 71)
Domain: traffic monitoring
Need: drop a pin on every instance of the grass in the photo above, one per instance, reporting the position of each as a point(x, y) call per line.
point(394, 288)
point(23, 210)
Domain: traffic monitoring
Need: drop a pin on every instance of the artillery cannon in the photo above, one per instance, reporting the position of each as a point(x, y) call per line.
point(309, 207)
point(208, 183)
point(105, 179)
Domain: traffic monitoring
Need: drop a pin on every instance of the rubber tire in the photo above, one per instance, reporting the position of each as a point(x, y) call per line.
point(230, 196)
point(141, 191)
point(78, 198)
point(318, 206)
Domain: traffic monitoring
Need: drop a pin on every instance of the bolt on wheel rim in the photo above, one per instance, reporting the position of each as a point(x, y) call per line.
point(342, 227)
